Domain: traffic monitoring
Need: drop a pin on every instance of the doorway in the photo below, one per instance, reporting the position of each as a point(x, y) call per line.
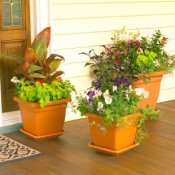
point(14, 38)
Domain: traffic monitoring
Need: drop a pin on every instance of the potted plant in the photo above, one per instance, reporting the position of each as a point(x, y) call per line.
point(141, 60)
point(116, 124)
point(40, 92)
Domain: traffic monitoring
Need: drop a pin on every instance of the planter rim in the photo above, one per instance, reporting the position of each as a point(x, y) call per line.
point(154, 74)
point(100, 118)
point(89, 114)
point(36, 105)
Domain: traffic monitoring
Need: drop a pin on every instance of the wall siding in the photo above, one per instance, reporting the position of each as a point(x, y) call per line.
point(81, 25)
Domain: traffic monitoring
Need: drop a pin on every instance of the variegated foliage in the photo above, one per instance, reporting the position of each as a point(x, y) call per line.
point(35, 64)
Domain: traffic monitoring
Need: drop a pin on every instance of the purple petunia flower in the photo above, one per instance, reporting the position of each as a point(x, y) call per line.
point(121, 81)
point(89, 96)
point(98, 85)
point(91, 93)
point(88, 101)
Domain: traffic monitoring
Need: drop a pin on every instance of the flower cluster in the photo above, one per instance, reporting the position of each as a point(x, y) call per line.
point(110, 100)
point(131, 55)
point(111, 95)
point(136, 55)
point(38, 76)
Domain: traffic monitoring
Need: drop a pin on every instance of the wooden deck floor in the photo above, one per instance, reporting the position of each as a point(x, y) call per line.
point(70, 155)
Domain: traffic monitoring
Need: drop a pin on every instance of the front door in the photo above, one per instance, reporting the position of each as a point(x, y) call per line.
point(14, 38)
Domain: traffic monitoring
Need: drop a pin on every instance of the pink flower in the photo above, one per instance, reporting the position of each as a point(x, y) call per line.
point(137, 42)
point(130, 41)
point(116, 54)
point(116, 62)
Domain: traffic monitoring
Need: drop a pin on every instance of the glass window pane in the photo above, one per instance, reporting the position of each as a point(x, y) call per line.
point(6, 14)
point(16, 8)
point(12, 12)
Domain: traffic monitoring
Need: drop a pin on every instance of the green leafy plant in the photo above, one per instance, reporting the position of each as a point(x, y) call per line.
point(43, 92)
point(113, 100)
point(35, 64)
point(131, 55)
point(37, 76)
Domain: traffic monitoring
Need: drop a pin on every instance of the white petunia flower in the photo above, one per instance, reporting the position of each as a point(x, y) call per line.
point(15, 80)
point(108, 100)
point(127, 97)
point(139, 91)
point(100, 106)
point(114, 88)
point(170, 61)
point(92, 89)
point(106, 94)
point(98, 93)
point(130, 88)
point(157, 63)
point(87, 97)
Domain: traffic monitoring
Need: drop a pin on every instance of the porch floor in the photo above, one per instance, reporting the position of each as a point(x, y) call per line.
point(70, 155)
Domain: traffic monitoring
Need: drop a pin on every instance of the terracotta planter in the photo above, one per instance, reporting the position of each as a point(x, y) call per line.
point(153, 87)
point(42, 123)
point(113, 140)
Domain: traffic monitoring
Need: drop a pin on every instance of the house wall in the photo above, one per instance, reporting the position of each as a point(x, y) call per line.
point(80, 25)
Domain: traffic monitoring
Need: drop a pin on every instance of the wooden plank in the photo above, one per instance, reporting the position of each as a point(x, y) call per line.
point(111, 9)
point(73, 41)
point(103, 1)
point(62, 26)
point(156, 155)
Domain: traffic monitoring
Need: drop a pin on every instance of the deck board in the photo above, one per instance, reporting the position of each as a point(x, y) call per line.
point(70, 155)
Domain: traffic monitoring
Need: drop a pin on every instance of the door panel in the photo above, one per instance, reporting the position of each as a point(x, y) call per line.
point(14, 38)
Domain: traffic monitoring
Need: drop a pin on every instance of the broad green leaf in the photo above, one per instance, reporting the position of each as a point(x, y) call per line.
point(53, 56)
point(54, 65)
point(146, 51)
point(57, 74)
point(33, 68)
point(152, 55)
point(36, 75)
point(41, 50)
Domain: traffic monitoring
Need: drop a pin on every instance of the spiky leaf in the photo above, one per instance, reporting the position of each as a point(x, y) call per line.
point(33, 68)
point(57, 74)
point(41, 50)
point(45, 35)
point(53, 56)
point(16, 58)
point(36, 75)
point(30, 55)
point(54, 64)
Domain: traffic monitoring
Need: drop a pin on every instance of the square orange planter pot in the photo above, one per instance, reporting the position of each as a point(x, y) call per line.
point(152, 86)
point(113, 140)
point(42, 123)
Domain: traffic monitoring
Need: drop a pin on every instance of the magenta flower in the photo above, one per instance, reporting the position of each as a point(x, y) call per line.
point(116, 62)
point(116, 54)
point(137, 42)
point(130, 41)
